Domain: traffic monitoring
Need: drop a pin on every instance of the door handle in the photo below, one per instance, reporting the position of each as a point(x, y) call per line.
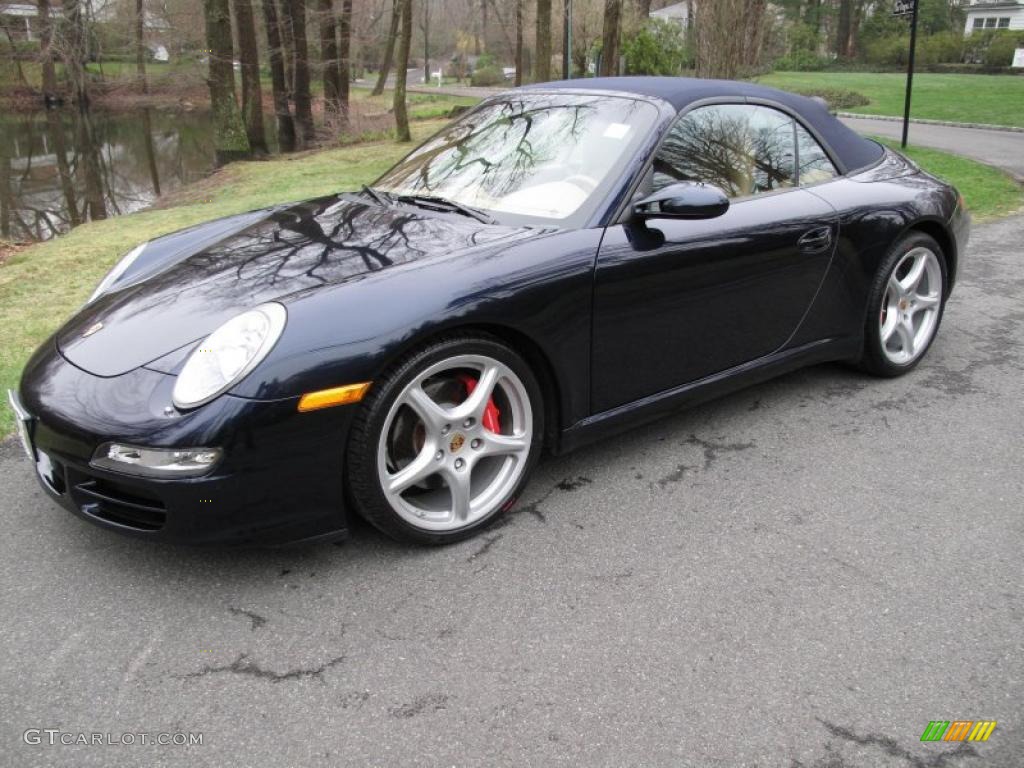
point(816, 239)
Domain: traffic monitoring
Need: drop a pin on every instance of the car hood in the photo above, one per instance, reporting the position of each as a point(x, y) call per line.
point(287, 253)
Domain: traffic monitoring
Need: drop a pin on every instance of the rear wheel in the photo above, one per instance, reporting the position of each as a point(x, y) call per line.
point(446, 441)
point(905, 306)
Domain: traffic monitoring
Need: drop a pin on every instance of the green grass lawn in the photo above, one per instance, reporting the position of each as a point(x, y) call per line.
point(995, 99)
point(989, 192)
point(42, 285)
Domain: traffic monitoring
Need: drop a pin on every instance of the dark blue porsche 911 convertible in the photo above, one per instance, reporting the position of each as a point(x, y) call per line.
point(566, 260)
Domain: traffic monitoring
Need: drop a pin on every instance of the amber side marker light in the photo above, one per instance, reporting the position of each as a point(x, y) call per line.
point(328, 398)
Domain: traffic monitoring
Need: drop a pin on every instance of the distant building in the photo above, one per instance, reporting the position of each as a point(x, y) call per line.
point(678, 12)
point(21, 20)
point(993, 14)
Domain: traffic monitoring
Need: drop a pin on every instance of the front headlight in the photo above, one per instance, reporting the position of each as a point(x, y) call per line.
point(228, 354)
point(119, 269)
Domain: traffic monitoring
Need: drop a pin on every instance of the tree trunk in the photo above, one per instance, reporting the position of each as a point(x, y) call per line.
point(140, 44)
point(74, 52)
point(344, 60)
point(147, 137)
point(401, 69)
point(252, 93)
point(643, 10)
point(6, 198)
point(843, 29)
point(296, 11)
point(285, 124)
point(329, 57)
point(46, 52)
point(519, 42)
point(55, 133)
point(610, 38)
point(95, 200)
point(858, 17)
point(753, 15)
point(229, 139)
point(288, 46)
point(389, 49)
point(542, 66)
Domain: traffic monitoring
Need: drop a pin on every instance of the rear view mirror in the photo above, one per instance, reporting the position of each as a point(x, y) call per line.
point(685, 200)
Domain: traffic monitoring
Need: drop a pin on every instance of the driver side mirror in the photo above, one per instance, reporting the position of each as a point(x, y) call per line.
point(685, 200)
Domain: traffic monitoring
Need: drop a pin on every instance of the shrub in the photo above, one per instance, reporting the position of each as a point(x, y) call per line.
point(889, 50)
point(941, 48)
point(658, 48)
point(837, 98)
point(801, 61)
point(485, 76)
point(999, 52)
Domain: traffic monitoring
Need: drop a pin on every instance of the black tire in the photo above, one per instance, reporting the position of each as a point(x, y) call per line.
point(362, 455)
point(873, 358)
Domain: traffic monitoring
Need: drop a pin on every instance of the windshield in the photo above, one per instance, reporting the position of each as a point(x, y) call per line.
point(537, 158)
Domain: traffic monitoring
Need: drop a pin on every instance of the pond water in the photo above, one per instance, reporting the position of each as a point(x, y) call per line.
point(59, 168)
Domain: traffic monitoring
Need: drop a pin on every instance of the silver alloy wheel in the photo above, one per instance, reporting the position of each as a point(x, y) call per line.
point(910, 307)
point(457, 470)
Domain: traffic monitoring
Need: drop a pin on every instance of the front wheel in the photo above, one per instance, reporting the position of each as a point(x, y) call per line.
point(446, 441)
point(904, 306)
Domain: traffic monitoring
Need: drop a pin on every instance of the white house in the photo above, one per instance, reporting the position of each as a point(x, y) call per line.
point(678, 12)
point(994, 14)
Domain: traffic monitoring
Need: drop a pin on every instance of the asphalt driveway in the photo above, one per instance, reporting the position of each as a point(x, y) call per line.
point(1004, 149)
point(802, 575)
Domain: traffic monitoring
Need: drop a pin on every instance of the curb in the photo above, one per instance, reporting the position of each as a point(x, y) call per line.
point(923, 121)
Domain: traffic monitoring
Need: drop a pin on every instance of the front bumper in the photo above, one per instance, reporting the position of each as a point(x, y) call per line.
point(280, 480)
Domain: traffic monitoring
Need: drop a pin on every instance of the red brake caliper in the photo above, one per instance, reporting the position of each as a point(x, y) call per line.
point(492, 416)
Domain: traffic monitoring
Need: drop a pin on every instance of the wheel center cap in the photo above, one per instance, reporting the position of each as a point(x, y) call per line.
point(904, 304)
point(456, 443)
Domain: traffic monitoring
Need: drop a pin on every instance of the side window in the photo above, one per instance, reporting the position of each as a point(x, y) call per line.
point(743, 149)
point(814, 163)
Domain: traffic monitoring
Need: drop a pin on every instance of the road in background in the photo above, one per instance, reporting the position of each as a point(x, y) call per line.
point(1004, 149)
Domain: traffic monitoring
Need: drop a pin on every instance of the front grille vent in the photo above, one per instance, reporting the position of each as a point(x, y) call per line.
point(107, 501)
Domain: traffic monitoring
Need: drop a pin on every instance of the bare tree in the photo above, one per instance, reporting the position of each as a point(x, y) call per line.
point(46, 51)
point(296, 11)
point(285, 124)
point(728, 36)
point(389, 48)
point(230, 141)
point(401, 70)
point(74, 52)
point(252, 93)
point(542, 67)
point(610, 37)
point(140, 43)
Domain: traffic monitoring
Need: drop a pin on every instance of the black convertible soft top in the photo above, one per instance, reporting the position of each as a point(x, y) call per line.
point(852, 150)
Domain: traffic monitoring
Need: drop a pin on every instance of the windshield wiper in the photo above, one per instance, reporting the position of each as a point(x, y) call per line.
point(443, 204)
point(377, 196)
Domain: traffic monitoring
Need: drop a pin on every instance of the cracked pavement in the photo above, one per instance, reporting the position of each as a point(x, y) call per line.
point(802, 574)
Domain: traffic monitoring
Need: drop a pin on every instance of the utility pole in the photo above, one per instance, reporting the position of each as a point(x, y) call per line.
point(904, 8)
